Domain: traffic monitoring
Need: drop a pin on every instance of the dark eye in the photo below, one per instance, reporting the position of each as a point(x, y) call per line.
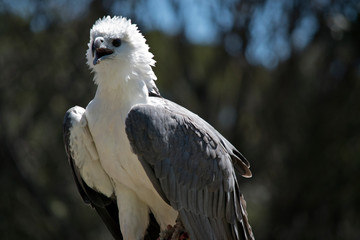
point(116, 42)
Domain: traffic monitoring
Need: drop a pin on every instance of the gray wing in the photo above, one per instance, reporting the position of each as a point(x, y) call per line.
point(193, 167)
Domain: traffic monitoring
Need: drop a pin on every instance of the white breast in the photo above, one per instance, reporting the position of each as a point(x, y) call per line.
point(107, 126)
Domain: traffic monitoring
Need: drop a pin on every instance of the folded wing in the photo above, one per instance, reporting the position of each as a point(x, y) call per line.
point(92, 182)
point(193, 167)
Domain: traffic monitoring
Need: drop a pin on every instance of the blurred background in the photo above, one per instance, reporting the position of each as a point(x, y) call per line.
point(280, 79)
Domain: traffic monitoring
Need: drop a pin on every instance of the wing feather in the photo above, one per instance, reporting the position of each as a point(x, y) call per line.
point(82, 149)
point(74, 132)
point(192, 166)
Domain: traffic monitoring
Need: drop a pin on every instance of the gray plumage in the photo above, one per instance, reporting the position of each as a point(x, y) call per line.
point(193, 167)
point(134, 153)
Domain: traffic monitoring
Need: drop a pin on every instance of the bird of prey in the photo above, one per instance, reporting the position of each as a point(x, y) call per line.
point(143, 161)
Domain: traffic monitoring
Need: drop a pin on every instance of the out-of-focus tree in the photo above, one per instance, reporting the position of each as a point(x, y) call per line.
point(280, 79)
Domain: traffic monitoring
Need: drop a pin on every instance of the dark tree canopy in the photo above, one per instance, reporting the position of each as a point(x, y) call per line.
point(279, 79)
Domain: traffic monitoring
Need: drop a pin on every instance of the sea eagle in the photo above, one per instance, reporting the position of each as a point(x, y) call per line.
point(143, 161)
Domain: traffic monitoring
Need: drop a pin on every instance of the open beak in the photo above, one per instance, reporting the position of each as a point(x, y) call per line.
point(100, 53)
point(99, 50)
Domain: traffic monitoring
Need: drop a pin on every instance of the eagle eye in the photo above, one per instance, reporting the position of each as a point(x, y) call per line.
point(116, 42)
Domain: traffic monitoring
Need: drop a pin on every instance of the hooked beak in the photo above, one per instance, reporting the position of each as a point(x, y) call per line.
point(99, 50)
point(100, 53)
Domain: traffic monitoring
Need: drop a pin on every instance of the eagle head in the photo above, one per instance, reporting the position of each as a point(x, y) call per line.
point(117, 47)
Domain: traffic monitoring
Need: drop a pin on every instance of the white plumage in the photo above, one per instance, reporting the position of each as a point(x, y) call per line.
point(147, 153)
point(122, 78)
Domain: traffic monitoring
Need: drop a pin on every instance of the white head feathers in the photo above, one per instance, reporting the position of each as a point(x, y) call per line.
point(117, 50)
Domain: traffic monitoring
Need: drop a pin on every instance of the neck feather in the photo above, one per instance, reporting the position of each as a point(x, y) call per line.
point(124, 91)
